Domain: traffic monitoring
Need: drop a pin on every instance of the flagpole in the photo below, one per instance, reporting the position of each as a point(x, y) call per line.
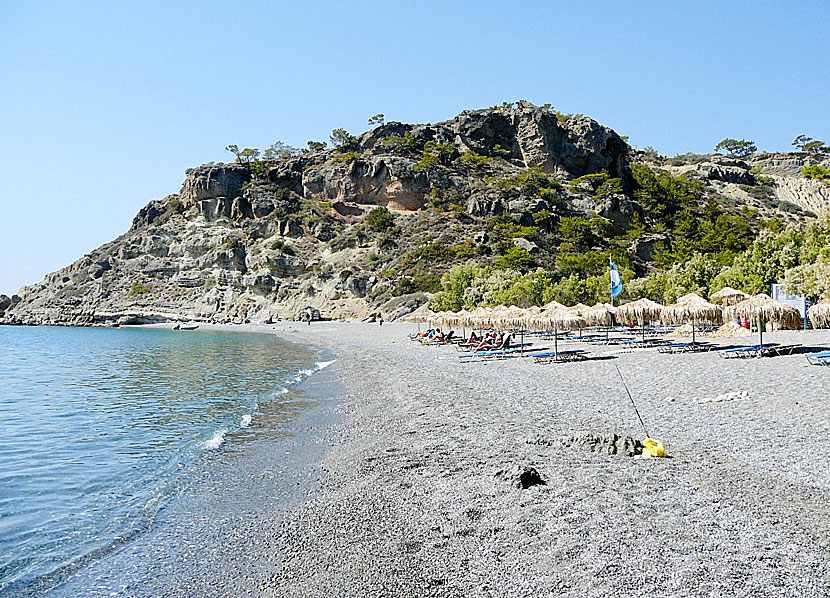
point(611, 290)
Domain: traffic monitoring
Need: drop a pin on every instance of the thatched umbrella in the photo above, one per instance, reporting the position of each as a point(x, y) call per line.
point(601, 314)
point(728, 296)
point(641, 311)
point(422, 314)
point(554, 305)
point(529, 318)
point(454, 319)
point(559, 319)
point(579, 309)
point(691, 307)
point(819, 314)
point(765, 309)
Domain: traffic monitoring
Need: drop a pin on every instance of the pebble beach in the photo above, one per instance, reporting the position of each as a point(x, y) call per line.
point(415, 500)
point(406, 480)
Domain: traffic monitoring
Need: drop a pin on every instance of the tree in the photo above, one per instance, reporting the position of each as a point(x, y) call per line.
point(343, 141)
point(739, 149)
point(377, 119)
point(810, 145)
point(316, 146)
point(244, 156)
point(278, 149)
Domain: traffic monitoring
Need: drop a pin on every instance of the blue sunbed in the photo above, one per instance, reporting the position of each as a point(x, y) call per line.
point(490, 353)
point(822, 358)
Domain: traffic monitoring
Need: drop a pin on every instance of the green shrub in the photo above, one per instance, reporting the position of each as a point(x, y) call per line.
point(138, 289)
point(531, 181)
point(473, 160)
point(347, 157)
point(504, 228)
point(516, 258)
point(345, 274)
point(436, 153)
point(343, 141)
point(401, 144)
point(595, 181)
point(380, 219)
point(816, 172)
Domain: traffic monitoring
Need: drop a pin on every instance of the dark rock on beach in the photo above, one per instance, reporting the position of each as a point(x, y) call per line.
point(521, 476)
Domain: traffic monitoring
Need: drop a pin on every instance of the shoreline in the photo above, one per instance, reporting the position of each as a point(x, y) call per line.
point(410, 503)
point(202, 537)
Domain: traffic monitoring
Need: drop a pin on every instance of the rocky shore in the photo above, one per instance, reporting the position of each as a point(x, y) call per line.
point(419, 498)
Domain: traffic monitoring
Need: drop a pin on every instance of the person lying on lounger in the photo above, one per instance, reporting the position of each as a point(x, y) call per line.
point(497, 341)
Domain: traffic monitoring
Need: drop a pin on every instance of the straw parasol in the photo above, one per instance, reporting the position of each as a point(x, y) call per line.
point(642, 311)
point(601, 314)
point(819, 314)
point(728, 296)
point(691, 307)
point(559, 319)
point(554, 305)
point(579, 309)
point(422, 314)
point(480, 317)
point(764, 308)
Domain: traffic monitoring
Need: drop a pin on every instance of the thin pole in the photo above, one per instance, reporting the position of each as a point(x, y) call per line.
point(555, 340)
point(693, 329)
point(630, 398)
point(761, 331)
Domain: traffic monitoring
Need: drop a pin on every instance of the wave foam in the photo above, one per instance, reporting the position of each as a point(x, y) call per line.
point(246, 421)
point(217, 439)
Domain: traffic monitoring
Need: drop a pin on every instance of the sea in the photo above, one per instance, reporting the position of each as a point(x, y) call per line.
point(102, 428)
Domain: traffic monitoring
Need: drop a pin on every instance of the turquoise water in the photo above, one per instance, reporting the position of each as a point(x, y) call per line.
point(99, 427)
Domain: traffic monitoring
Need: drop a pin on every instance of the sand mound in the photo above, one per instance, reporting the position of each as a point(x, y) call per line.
point(730, 329)
point(685, 330)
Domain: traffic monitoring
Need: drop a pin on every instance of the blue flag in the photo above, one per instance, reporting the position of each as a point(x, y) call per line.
point(616, 281)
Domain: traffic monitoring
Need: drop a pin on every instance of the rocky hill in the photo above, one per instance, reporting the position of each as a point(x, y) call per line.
point(374, 223)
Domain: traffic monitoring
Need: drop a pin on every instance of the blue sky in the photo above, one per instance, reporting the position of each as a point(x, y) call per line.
point(105, 104)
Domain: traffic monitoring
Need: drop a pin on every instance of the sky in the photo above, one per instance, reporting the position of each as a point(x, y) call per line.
point(104, 105)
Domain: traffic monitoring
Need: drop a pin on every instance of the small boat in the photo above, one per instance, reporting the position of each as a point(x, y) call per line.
point(185, 327)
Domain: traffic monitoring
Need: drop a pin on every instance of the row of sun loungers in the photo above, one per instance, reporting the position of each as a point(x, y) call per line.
point(544, 355)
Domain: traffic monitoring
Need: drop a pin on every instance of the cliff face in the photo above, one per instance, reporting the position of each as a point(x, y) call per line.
point(252, 243)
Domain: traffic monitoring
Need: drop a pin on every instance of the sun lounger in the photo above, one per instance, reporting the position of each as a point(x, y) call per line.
point(685, 348)
point(778, 350)
point(770, 350)
point(493, 353)
point(822, 358)
point(561, 356)
point(740, 352)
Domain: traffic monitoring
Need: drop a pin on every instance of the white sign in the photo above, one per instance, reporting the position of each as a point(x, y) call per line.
point(779, 293)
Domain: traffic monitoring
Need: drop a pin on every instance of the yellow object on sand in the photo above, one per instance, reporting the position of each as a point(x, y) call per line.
point(653, 448)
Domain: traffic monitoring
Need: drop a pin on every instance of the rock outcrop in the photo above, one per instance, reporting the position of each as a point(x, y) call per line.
point(257, 242)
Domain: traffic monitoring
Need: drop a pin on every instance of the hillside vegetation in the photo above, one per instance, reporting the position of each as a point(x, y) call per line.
point(515, 204)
